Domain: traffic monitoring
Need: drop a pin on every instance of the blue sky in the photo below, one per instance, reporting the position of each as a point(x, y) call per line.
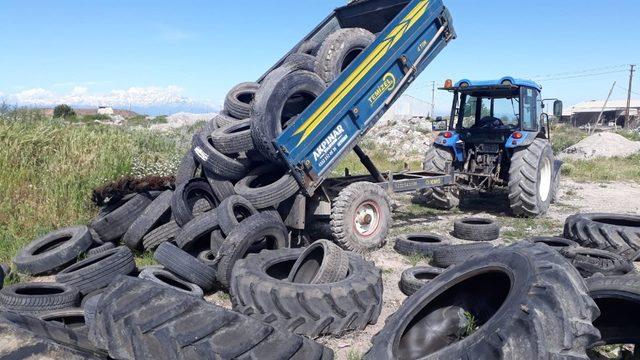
point(197, 50)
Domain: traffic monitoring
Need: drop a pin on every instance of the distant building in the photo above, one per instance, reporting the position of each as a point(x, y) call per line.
point(105, 110)
point(614, 112)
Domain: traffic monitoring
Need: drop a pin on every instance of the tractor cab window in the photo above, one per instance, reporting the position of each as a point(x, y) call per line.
point(490, 112)
point(529, 106)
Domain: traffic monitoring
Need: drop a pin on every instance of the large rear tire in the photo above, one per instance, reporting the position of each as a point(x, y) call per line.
point(531, 179)
point(437, 160)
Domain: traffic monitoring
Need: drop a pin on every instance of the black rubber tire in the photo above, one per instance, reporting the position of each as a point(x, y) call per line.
point(553, 242)
point(35, 298)
point(267, 186)
point(618, 298)
point(437, 160)
point(223, 119)
point(40, 339)
point(221, 187)
point(216, 240)
point(525, 179)
point(415, 278)
point(339, 49)
point(98, 271)
point(595, 261)
point(90, 305)
point(164, 233)
point(538, 308)
point(53, 251)
point(188, 169)
point(238, 101)
point(455, 254)
point(72, 318)
point(100, 249)
point(270, 112)
point(230, 167)
point(185, 266)
point(112, 226)
point(185, 197)
point(138, 319)
point(259, 289)
point(343, 217)
point(555, 182)
point(322, 262)
point(167, 278)
point(208, 257)
point(309, 47)
point(233, 138)
point(238, 243)
point(197, 230)
point(618, 233)
point(232, 211)
point(476, 229)
point(420, 243)
point(156, 214)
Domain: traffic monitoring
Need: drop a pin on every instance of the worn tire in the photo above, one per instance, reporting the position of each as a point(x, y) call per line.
point(232, 211)
point(163, 233)
point(555, 182)
point(239, 241)
point(283, 94)
point(455, 254)
point(188, 169)
point(185, 266)
point(98, 271)
point(221, 187)
point(138, 319)
point(538, 308)
point(322, 262)
point(595, 261)
point(339, 49)
point(238, 101)
point(216, 240)
point(530, 179)
point(53, 251)
point(259, 289)
point(100, 249)
point(72, 318)
point(344, 211)
point(157, 213)
point(553, 242)
point(416, 277)
point(231, 167)
point(421, 243)
point(267, 186)
point(437, 160)
point(185, 197)
point(618, 233)
point(233, 138)
point(197, 230)
point(112, 226)
point(167, 278)
point(34, 298)
point(476, 229)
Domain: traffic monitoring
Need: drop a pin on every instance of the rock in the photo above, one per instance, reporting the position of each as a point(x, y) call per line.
point(604, 145)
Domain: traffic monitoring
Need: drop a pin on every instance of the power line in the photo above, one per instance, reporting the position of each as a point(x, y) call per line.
point(580, 76)
point(626, 89)
point(598, 69)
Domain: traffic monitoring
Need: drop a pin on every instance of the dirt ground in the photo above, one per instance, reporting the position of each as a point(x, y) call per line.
point(408, 217)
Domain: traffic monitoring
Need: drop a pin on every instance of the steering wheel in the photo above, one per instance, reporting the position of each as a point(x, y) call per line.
point(488, 122)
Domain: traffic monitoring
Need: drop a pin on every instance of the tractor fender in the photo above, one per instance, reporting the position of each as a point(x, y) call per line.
point(451, 139)
point(527, 138)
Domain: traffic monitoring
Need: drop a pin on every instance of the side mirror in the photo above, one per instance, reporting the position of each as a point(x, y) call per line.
point(439, 119)
point(557, 108)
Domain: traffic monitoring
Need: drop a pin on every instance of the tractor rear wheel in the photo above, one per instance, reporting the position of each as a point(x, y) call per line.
point(436, 160)
point(531, 179)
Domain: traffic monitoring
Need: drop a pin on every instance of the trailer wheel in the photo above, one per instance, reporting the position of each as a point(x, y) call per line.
point(446, 198)
point(361, 217)
point(531, 180)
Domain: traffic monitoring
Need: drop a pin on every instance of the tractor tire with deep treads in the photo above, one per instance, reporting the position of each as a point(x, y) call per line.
point(185, 266)
point(437, 160)
point(339, 49)
point(34, 298)
point(238, 100)
point(476, 229)
point(416, 277)
point(361, 217)
point(139, 319)
point(618, 233)
point(157, 213)
point(112, 226)
point(531, 179)
point(420, 243)
point(538, 308)
point(595, 261)
point(259, 289)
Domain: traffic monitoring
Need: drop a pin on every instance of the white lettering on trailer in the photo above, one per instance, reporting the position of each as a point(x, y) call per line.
point(328, 143)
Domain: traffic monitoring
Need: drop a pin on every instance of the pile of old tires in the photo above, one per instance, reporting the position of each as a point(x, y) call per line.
point(545, 297)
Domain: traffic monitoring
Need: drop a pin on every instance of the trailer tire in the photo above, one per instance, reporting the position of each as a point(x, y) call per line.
point(618, 233)
point(231, 167)
point(522, 277)
point(422, 243)
point(185, 266)
point(437, 160)
point(455, 254)
point(531, 179)
point(36, 298)
point(283, 95)
point(267, 186)
point(53, 250)
point(238, 100)
point(594, 261)
point(322, 262)
point(234, 138)
point(157, 213)
point(232, 211)
point(259, 288)
point(476, 229)
point(168, 279)
point(339, 49)
point(361, 217)
point(416, 277)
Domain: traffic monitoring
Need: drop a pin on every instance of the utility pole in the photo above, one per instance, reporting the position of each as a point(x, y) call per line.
point(433, 100)
point(603, 107)
point(626, 113)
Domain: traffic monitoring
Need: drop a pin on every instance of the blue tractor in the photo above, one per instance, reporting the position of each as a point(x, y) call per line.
point(497, 136)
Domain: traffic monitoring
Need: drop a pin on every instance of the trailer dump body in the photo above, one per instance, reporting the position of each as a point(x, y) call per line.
point(334, 123)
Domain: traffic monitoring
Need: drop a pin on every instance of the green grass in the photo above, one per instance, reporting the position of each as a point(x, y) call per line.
point(379, 156)
point(415, 259)
point(564, 136)
point(516, 229)
point(49, 169)
point(472, 324)
point(353, 355)
point(602, 169)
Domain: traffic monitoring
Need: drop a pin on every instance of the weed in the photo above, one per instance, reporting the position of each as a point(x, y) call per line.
point(353, 355)
point(415, 259)
point(604, 169)
point(472, 324)
point(145, 259)
point(224, 296)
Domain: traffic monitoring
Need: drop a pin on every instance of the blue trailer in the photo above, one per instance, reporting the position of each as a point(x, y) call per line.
point(409, 35)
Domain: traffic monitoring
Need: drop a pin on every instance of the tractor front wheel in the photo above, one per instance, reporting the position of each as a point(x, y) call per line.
point(531, 185)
